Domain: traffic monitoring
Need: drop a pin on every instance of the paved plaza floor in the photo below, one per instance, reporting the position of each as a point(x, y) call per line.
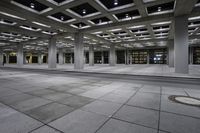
point(134, 69)
point(56, 103)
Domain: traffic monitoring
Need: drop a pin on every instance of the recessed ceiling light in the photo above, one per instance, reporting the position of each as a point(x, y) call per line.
point(127, 16)
point(115, 2)
point(62, 18)
point(159, 9)
point(84, 11)
point(32, 5)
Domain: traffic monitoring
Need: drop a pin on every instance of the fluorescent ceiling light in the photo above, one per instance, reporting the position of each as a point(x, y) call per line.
point(98, 32)
point(49, 33)
point(29, 28)
point(10, 15)
point(194, 18)
point(135, 27)
point(115, 30)
point(161, 23)
point(40, 24)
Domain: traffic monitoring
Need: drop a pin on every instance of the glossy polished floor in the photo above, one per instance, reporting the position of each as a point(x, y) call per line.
point(136, 69)
point(34, 102)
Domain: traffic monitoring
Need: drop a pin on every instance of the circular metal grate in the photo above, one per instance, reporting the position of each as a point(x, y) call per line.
point(192, 101)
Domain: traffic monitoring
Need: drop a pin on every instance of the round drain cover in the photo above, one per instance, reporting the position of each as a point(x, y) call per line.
point(185, 100)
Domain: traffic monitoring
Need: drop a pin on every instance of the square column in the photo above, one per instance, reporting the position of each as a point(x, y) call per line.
point(181, 44)
point(91, 55)
point(102, 57)
point(20, 55)
point(125, 57)
point(112, 55)
point(191, 55)
point(60, 57)
point(1, 57)
point(7, 58)
point(171, 53)
point(40, 58)
point(78, 51)
point(52, 53)
point(148, 57)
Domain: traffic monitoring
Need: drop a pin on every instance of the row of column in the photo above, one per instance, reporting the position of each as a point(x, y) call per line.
point(178, 50)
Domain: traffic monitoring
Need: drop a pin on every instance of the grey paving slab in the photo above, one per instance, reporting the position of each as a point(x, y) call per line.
point(116, 126)
point(94, 94)
point(102, 107)
point(8, 92)
point(173, 91)
point(140, 116)
point(56, 96)
point(76, 101)
point(41, 92)
point(146, 100)
point(178, 123)
point(170, 106)
point(124, 93)
point(79, 122)
point(15, 98)
point(115, 98)
point(45, 129)
point(76, 91)
point(150, 89)
point(49, 112)
point(29, 104)
point(12, 121)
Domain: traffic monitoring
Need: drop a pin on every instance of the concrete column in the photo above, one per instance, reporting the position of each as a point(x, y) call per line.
point(71, 59)
point(78, 51)
point(24, 58)
point(1, 57)
point(52, 53)
point(171, 53)
point(191, 55)
point(20, 55)
point(181, 44)
point(131, 58)
point(91, 55)
point(102, 58)
point(60, 57)
point(125, 57)
point(148, 57)
point(112, 55)
point(7, 58)
point(40, 58)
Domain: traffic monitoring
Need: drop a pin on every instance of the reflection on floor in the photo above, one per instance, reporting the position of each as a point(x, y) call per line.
point(55, 103)
point(161, 70)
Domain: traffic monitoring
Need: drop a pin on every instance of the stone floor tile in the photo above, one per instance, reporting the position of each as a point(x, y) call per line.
point(12, 121)
point(49, 112)
point(140, 116)
point(102, 107)
point(150, 89)
point(45, 129)
point(146, 100)
point(41, 92)
point(29, 104)
point(75, 101)
point(116, 126)
point(178, 124)
point(56, 96)
point(79, 122)
point(115, 98)
point(15, 98)
point(173, 91)
point(94, 94)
